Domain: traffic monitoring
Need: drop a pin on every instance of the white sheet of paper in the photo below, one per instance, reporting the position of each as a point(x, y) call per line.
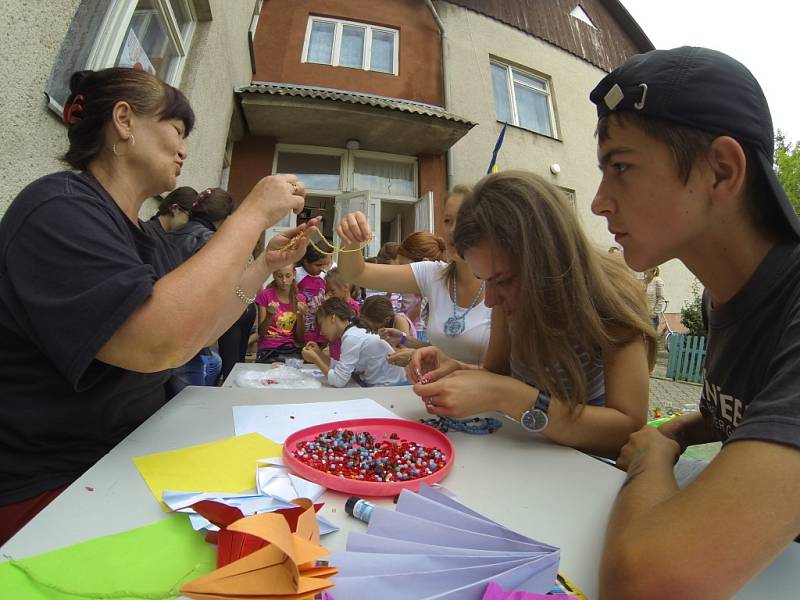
point(278, 421)
point(179, 501)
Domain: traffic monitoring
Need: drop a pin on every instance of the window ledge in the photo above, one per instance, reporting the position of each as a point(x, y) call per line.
point(544, 135)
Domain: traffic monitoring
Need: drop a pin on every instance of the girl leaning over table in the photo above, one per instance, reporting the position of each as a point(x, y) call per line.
point(363, 354)
point(571, 344)
point(94, 310)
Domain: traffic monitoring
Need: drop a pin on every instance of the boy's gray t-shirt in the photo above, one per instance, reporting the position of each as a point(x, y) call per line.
point(752, 380)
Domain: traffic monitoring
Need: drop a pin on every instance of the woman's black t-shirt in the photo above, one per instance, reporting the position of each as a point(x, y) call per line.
point(73, 268)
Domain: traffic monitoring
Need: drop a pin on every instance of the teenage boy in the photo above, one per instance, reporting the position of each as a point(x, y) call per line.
point(685, 146)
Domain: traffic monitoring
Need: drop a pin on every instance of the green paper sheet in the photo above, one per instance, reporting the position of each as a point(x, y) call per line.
point(149, 563)
point(227, 465)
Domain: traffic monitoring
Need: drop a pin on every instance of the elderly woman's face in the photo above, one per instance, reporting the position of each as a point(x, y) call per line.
point(159, 150)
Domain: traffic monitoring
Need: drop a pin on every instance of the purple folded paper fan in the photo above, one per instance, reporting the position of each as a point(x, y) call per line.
point(453, 552)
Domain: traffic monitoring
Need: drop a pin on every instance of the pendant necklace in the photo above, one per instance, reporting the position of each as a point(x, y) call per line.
point(456, 324)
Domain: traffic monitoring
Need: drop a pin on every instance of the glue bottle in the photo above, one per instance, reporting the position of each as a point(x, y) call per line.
point(359, 508)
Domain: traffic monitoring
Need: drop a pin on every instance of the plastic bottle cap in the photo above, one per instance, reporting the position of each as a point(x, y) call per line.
point(351, 502)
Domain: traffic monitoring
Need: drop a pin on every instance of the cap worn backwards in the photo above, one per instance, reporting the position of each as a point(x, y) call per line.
point(702, 89)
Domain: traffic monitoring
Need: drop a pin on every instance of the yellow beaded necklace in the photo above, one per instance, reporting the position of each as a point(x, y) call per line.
point(334, 248)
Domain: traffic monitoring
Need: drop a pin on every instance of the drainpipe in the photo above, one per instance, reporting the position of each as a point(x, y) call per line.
point(446, 86)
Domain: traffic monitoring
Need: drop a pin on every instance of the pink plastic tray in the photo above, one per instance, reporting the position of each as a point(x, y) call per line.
point(407, 430)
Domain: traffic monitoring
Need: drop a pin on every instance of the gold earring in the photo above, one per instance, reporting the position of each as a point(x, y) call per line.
point(114, 146)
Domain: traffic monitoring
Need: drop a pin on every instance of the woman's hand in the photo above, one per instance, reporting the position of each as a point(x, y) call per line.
point(430, 364)
point(468, 392)
point(284, 249)
point(354, 229)
point(275, 195)
point(401, 357)
point(392, 335)
point(302, 309)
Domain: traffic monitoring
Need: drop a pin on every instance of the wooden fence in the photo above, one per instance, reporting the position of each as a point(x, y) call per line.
point(686, 357)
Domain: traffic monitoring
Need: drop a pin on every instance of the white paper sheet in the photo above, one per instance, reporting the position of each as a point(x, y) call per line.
point(278, 421)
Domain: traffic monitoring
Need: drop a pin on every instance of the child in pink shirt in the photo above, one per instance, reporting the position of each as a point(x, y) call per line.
point(310, 279)
point(281, 309)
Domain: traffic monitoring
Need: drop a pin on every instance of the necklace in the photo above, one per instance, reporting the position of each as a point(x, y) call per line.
point(293, 242)
point(456, 324)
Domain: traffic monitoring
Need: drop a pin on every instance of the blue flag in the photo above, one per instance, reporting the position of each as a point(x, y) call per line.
point(492, 165)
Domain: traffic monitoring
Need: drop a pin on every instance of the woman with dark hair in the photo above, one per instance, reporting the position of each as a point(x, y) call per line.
point(173, 210)
point(571, 344)
point(208, 212)
point(92, 310)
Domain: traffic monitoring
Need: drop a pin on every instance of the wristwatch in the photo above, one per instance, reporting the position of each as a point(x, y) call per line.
point(535, 418)
point(403, 340)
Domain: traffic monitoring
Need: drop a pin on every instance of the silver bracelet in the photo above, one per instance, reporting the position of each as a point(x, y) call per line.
point(244, 297)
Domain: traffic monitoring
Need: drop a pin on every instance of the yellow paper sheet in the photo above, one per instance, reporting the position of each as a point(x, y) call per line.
point(223, 466)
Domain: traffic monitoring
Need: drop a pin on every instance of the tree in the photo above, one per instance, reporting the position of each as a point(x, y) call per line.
point(692, 312)
point(787, 167)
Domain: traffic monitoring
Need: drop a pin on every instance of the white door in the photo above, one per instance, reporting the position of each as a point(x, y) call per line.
point(397, 229)
point(374, 218)
point(423, 213)
point(349, 203)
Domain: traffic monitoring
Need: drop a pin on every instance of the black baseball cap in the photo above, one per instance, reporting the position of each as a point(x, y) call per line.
point(702, 89)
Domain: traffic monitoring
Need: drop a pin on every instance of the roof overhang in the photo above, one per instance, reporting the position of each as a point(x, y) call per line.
point(293, 114)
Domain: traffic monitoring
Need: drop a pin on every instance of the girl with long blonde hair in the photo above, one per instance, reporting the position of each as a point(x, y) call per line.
point(571, 342)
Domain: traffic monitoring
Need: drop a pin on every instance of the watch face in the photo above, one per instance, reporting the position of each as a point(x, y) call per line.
point(534, 420)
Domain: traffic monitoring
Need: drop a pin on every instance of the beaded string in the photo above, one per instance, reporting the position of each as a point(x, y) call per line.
point(293, 242)
point(476, 425)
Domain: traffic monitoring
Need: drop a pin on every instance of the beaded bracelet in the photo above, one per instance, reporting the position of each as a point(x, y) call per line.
point(476, 425)
point(244, 297)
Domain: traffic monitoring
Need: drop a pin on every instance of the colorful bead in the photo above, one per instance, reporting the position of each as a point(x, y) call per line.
point(344, 453)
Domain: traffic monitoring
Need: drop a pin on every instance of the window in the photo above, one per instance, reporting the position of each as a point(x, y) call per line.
point(385, 177)
point(316, 171)
point(153, 35)
point(348, 44)
point(522, 99)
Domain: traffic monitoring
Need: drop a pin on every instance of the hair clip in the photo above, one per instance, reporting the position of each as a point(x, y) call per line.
point(73, 111)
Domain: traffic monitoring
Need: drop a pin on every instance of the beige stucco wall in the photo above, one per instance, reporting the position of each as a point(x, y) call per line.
point(31, 135)
point(471, 39)
point(218, 61)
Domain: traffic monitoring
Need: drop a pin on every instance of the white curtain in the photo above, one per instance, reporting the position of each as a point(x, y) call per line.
point(384, 177)
point(320, 44)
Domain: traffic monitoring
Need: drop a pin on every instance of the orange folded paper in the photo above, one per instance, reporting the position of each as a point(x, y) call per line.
point(287, 567)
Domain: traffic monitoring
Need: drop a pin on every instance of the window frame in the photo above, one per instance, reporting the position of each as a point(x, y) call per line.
point(347, 172)
point(547, 93)
point(366, 61)
point(114, 27)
